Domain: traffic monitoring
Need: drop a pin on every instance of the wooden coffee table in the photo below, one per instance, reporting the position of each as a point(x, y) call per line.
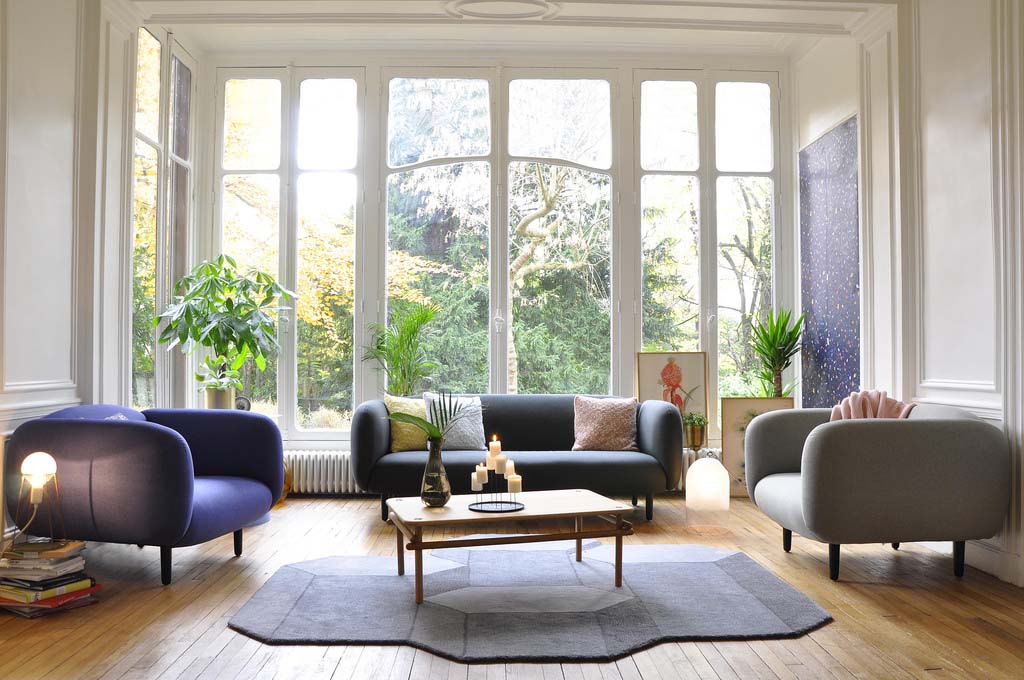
point(410, 517)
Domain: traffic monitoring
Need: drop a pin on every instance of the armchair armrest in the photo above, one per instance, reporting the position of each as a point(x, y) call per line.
point(774, 442)
point(230, 443)
point(905, 480)
point(120, 481)
point(659, 433)
point(371, 439)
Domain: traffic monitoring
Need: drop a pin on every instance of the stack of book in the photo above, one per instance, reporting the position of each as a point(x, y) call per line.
point(43, 578)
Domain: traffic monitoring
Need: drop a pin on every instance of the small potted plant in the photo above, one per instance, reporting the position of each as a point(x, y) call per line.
point(694, 429)
point(435, 490)
point(233, 315)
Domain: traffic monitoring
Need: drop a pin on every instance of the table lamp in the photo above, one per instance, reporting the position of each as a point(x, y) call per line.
point(707, 493)
point(37, 469)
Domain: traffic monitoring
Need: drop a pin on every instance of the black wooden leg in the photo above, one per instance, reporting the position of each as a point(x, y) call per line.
point(165, 565)
point(649, 506)
point(384, 507)
point(635, 500)
point(238, 543)
point(833, 561)
point(959, 550)
point(787, 539)
point(896, 546)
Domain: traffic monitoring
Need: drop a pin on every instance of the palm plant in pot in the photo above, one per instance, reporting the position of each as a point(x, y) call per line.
point(398, 347)
point(231, 314)
point(435, 490)
point(776, 341)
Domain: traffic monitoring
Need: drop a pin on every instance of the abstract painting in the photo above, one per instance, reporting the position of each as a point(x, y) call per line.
point(830, 267)
point(737, 412)
point(680, 378)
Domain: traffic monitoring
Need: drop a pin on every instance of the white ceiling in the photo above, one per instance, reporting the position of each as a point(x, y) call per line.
point(739, 26)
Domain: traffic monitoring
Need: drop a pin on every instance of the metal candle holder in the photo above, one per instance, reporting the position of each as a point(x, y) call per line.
point(493, 499)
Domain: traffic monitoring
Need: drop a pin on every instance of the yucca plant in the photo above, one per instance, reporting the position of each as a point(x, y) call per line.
point(445, 411)
point(776, 342)
point(398, 349)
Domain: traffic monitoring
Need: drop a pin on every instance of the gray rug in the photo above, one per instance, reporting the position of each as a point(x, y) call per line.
point(530, 602)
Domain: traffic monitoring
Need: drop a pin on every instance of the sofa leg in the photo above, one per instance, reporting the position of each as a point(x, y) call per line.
point(238, 543)
point(635, 501)
point(384, 507)
point(787, 539)
point(165, 565)
point(959, 552)
point(896, 546)
point(649, 506)
point(833, 561)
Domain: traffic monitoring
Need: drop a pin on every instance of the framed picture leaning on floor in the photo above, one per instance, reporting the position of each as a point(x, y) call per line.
point(680, 378)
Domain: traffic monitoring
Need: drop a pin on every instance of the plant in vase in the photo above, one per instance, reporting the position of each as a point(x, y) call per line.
point(231, 314)
point(444, 412)
point(398, 346)
point(776, 341)
point(694, 428)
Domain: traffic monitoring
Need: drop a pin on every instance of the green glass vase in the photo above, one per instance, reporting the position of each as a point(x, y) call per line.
point(435, 490)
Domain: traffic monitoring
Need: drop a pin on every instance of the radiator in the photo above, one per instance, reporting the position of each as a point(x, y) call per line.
point(326, 472)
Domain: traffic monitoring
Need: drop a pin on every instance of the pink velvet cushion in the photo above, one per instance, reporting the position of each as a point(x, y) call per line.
point(870, 404)
point(605, 424)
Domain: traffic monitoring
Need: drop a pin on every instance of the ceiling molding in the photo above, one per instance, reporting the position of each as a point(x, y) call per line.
point(502, 9)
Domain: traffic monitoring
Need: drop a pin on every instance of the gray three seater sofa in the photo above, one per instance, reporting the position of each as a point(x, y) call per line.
point(537, 432)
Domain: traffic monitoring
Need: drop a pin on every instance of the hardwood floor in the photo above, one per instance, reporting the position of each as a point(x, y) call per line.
point(898, 614)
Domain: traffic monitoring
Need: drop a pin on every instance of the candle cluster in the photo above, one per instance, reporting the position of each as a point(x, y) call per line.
point(501, 465)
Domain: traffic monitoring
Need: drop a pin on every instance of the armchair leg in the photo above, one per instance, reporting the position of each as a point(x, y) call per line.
point(649, 506)
point(896, 546)
point(787, 539)
point(165, 565)
point(959, 552)
point(833, 561)
point(238, 543)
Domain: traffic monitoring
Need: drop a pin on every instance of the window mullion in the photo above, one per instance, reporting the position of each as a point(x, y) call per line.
point(287, 217)
point(499, 235)
point(708, 248)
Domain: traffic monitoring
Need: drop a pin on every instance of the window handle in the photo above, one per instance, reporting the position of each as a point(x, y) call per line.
point(499, 323)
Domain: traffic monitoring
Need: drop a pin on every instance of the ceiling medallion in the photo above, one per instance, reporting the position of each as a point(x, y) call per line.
point(502, 9)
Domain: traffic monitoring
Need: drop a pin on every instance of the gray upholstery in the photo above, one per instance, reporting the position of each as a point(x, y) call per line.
point(537, 432)
point(940, 475)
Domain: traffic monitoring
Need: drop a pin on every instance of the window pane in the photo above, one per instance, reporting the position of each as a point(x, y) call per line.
point(437, 118)
point(743, 127)
point(178, 207)
point(560, 280)
point(181, 98)
point(144, 274)
point(567, 119)
point(438, 239)
point(668, 125)
point(744, 277)
point(252, 124)
point(326, 245)
point(147, 86)
point(250, 235)
point(328, 124)
point(671, 259)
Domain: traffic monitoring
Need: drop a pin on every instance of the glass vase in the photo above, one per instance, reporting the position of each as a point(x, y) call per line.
point(435, 490)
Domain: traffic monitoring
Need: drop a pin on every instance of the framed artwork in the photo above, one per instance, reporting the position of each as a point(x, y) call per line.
point(677, 377)
point(737, 412)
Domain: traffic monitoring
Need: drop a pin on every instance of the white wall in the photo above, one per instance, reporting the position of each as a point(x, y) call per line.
point(825, 82)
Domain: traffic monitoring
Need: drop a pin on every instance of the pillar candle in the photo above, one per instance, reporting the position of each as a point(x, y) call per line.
point(510, 467)
point(494, 448)
point(474, 482)
point(500, 461)
point(490, 461)
point(515, 483)
point(481, 474)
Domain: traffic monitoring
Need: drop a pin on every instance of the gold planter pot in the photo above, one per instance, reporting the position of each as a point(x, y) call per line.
point(694, 435)
point(220, 398)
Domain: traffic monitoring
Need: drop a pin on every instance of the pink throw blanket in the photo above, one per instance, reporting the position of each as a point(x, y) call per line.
point(870, 404)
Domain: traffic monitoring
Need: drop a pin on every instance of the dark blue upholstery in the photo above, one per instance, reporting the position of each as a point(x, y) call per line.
point(164, 477)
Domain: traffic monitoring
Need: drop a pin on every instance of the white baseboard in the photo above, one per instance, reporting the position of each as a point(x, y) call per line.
point(1003, 565)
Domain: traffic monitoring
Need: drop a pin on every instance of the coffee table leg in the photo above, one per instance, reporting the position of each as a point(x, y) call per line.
point(419, 568)
point(401, 551)
point(579, 541)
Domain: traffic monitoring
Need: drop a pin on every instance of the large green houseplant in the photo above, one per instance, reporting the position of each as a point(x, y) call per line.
point(230, 313)
point(776, 341)
point(398, 346)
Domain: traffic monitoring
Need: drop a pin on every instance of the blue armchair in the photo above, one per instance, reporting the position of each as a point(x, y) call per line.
point(163, 477)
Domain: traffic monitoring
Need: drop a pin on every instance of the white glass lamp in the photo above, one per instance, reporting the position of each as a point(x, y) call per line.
point(707, 496)
point(38, 468)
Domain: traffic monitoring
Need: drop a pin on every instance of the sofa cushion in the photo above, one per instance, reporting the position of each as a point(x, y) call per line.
point(780, 496)
point(615, 472)
point(221, 505)
point(466, 433)
point(96, 412)
point(530, 422)
point(405, 437)
point(604, 424)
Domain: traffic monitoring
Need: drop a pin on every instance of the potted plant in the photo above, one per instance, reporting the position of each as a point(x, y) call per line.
point(435, 491)
point(776, 341)
point(233, 315)
point(694, 429)
point(398, 347)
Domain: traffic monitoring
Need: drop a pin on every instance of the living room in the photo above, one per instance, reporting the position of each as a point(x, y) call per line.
point(511, 338)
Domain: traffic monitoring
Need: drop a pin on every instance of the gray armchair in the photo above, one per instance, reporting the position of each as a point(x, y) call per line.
point(939, 475)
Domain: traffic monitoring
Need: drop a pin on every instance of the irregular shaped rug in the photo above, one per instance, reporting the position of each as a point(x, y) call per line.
point(500, 604)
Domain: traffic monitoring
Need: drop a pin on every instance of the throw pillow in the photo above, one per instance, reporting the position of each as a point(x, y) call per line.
point(405, 437)
point(466, 433)
point(605, 424)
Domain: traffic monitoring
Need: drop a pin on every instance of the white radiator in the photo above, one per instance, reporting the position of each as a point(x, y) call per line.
point(321, 471)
